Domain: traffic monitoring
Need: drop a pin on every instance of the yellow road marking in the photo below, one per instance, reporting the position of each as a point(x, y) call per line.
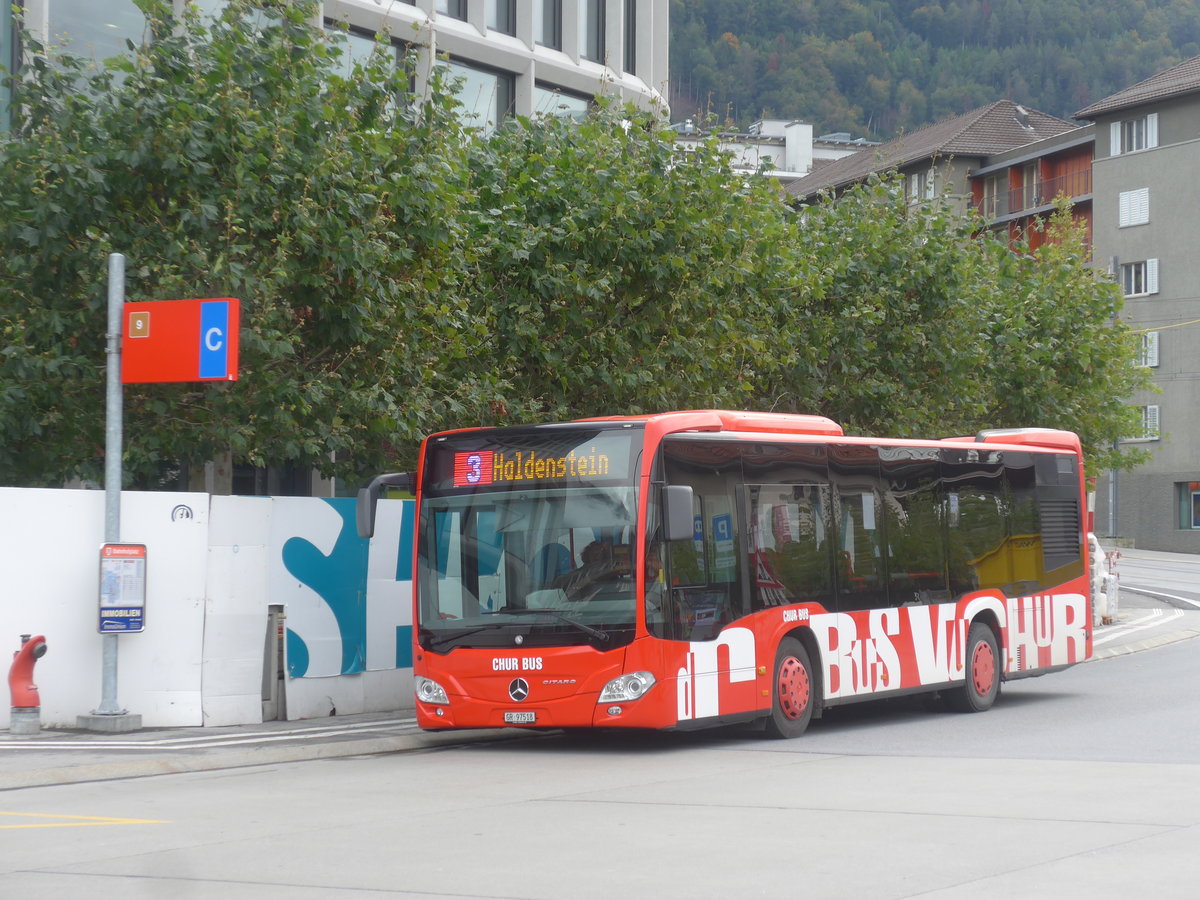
point(75, 821)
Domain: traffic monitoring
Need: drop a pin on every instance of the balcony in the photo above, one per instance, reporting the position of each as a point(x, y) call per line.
point(1036, 196)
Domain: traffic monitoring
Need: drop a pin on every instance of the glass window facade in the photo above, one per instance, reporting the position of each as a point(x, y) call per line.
point(591, 30)
point(630, 65)
point(7, 40)
point(486, 96)
point(356, 48)
point(96, 30)
point(502, 16)
point(548, 101)
point(454, 8)
point(547, 23)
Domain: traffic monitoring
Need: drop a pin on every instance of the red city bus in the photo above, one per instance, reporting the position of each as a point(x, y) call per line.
point(693, 569)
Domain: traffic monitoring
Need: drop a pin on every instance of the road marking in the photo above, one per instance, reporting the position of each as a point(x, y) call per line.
point(75, 821)
point(1150, 593)
point(1153, 618)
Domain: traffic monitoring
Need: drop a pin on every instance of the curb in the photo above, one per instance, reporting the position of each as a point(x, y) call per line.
point(184, 761)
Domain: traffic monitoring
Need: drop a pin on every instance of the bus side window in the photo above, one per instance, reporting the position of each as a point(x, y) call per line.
point(704, 590)
point(914, 526)
point(789, 544)
point(859, 564)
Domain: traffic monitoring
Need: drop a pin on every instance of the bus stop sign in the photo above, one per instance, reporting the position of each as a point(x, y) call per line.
point(180, 340)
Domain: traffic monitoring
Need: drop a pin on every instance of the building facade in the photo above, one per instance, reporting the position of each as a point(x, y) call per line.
point(940, 158)
point(514, 56)
point(1013, 190)
point(1147, 182)
point(784, 150)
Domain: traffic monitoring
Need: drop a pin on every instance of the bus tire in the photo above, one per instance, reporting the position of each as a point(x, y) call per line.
point(792, 691)
point(982, 685)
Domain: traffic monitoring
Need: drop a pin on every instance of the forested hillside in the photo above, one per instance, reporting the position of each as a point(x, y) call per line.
point(877, 67)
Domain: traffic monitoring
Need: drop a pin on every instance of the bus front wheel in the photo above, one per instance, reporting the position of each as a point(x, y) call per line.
point(982, 684)
point(792, 691)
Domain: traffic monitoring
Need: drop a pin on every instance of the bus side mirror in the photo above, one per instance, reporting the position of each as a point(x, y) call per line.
point(368, 499)
point(678, 515)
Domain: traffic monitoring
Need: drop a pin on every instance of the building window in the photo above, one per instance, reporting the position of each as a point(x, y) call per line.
point(1029, 186)
point(630, 64)
point(1150, 425)
point(1133, 207)
point(995, 196)
point(1188, 493)
point(1139, 279)
point(549, 101)
point(547, 23)
point(486, 95)
point(455, 9)
point(502, 16)
point(1148, 357)
point(7, 61)
point(591, 30)
point(1134, 134)
point(96, 30)
point(356, 48)
point(918, 186)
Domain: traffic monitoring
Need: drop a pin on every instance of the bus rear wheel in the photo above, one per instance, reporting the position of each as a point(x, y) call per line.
point(792, 691)
point(982, 685)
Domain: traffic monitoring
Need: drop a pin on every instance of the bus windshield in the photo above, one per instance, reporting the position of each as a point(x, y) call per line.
point(546, 560)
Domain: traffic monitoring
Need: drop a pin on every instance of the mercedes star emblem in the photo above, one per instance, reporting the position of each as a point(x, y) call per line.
point(518, 689)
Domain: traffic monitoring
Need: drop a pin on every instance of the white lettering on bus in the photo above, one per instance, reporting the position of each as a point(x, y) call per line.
point(1042, 630)
point(699, 683)
point(513, 663)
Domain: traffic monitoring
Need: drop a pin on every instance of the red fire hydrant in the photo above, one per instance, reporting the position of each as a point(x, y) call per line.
point(26, 704)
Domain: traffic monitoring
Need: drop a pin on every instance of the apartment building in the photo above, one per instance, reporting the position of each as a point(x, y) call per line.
point(1146, 178)
point(942, 157)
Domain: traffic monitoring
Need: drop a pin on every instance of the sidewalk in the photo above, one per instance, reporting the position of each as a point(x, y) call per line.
point(68, 756)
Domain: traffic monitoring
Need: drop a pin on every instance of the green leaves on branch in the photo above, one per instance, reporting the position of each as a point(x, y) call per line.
point(399, 275)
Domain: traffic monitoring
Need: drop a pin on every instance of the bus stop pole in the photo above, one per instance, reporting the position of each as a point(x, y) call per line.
point(109, 716)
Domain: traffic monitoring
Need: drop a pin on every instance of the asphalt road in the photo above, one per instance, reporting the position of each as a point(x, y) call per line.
point(1079, 784)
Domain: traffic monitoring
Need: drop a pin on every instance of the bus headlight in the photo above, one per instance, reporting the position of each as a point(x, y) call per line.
point(428, 691)
point(627, 687)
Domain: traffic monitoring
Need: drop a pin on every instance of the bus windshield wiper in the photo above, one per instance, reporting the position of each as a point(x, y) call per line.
point(439, 640)
point(574, 623)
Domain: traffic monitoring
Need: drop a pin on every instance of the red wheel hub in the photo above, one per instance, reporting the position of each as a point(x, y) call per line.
point(983, 668)
point(794, 688)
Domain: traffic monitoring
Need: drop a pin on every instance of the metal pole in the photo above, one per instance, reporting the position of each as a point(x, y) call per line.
point(113, 449)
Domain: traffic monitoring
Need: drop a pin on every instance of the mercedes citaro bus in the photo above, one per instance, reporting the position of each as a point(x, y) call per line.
point(699, 568)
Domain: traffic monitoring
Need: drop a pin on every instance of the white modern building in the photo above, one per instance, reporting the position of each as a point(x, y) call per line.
point(780, 148)
point(514, 56)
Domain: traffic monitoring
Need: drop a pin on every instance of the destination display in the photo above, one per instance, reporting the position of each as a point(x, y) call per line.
point(508, 459)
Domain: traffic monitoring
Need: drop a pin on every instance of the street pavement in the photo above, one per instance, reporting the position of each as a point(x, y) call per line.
point(68, 756)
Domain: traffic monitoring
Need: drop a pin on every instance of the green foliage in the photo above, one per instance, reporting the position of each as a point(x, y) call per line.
point(398, 275)
point(229, 160)
point(920, 324)
point(614, 276)
point(879, 67)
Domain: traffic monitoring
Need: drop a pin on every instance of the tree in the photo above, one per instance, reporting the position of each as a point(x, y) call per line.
point(229, 159)
point(616, 277)
point(916, 323)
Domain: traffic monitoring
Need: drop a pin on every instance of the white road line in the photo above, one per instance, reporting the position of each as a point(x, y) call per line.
point(1150, 593)
point(1153, 618)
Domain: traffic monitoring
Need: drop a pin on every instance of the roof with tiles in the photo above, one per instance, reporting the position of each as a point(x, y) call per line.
point(1181, 79)
point(990, 129)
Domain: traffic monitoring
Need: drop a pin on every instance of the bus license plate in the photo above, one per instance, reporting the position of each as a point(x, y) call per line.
point(520, 718)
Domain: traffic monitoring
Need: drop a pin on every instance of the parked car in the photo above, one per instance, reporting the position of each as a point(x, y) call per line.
point(1105, 585)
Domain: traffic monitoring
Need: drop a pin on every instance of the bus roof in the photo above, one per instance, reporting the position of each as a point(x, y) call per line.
point(733, 420)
